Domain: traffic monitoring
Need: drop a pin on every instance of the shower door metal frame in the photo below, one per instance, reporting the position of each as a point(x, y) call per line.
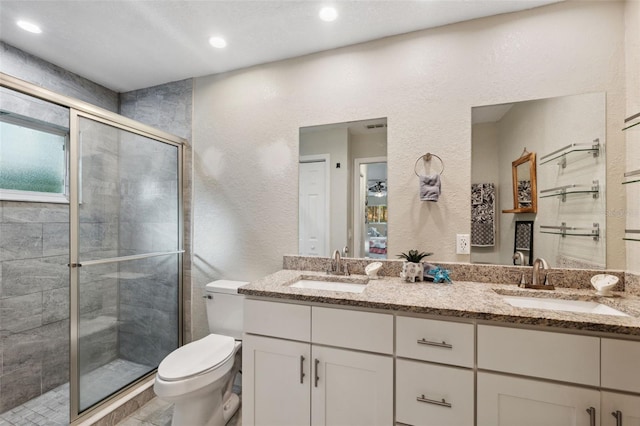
point(83, 109)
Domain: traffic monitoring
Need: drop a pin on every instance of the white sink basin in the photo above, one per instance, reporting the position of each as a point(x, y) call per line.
point(329, 285)
point(562, 305)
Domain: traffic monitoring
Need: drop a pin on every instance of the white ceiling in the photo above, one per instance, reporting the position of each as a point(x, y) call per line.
point(131, 44)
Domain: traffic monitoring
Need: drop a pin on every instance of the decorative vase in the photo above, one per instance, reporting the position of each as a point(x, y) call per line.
point(412, 271)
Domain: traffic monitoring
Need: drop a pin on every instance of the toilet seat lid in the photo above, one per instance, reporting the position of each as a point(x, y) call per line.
point(196, 357)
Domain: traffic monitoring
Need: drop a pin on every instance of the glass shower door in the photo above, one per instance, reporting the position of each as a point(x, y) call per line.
point(126, 257)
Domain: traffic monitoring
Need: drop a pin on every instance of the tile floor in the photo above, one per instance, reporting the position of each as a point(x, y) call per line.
point(158, 413)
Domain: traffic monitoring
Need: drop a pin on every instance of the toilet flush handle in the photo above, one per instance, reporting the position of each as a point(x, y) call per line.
point(208, 296)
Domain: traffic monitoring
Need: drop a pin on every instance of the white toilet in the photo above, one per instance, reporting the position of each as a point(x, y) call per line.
point(198, 377)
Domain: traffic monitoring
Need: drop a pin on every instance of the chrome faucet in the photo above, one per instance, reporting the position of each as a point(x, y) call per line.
point(538, 265)
point(518, 256)
point(336, 263)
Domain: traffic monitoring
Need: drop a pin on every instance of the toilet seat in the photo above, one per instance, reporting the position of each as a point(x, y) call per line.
point(197, 358)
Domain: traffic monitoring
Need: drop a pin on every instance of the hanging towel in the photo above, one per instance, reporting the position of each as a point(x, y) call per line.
point(483, 215)
point(430, 187)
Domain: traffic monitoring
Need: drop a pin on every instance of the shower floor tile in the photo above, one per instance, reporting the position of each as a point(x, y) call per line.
point(49, 409)
point(52, 408)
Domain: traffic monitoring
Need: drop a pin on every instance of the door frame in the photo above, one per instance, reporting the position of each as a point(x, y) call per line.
point(357, 214)
point(317, 158)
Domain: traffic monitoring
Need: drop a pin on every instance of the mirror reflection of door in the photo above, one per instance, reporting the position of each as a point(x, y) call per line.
point(313, 206)
point(372, 214)
point(333, 217)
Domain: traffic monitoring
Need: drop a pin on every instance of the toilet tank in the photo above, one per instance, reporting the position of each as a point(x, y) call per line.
point(224, 307)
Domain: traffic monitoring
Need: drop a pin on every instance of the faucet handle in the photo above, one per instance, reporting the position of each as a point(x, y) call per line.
point(547, 281)
point(346, 269)
point(523, 280)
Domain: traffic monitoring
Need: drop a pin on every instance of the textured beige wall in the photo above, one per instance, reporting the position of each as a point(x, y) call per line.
point(246, 125)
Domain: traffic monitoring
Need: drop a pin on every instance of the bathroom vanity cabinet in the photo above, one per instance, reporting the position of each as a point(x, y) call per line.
point(305, 365)
point(319, 364)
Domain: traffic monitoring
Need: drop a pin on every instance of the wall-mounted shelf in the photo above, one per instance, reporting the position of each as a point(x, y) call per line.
point(632, 231)
point(631, 121)
point(562, 153)
point(571, 231)
point(563, 191)
point(633, 177)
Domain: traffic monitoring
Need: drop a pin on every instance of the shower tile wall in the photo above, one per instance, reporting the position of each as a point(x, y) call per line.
point(34, 280)
point(34, 284)
point(99, 213)
point(34, 300)
point(148, 224)
point(168, 107)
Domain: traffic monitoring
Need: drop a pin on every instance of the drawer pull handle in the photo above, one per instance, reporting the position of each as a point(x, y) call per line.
point(618, 416)
point(444, 344)
point(442, 403)
point(301, 369)
point(592, 416)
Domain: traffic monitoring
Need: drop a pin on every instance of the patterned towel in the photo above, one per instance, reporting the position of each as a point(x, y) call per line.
point(483, 215)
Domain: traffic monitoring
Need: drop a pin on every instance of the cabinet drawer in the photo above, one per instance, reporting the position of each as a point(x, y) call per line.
point(283, 320)
point(365, 331)
point(421, 389)
point(621, 365)
point(433, 340)
point(549, 355)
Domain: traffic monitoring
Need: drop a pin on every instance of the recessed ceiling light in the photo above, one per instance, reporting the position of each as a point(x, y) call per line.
point(328, 14)
point(28, 26)
point(218, 42)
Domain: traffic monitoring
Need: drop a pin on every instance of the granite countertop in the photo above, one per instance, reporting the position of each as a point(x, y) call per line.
point(463, 299)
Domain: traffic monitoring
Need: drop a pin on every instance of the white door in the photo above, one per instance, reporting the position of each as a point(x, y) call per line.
point(510, 401)
point(351, 388)
point(313, 217)
point(275, 383)
point(619, 409)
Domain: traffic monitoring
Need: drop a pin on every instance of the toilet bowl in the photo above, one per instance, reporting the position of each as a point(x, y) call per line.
point(198, 377)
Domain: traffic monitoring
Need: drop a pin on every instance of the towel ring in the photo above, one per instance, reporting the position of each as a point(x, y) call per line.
point(427, 157)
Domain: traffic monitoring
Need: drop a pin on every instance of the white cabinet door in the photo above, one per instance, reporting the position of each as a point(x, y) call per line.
point(351, 388)
point(619, 409)
point(275, 382)
point(620, 366)
point(511, 401)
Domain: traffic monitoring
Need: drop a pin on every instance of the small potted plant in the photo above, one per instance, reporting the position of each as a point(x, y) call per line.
point(412, 268)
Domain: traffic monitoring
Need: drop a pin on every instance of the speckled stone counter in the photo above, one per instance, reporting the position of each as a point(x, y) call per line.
point(463, 299)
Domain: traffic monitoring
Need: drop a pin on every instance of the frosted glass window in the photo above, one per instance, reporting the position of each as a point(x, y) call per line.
point(32, 159)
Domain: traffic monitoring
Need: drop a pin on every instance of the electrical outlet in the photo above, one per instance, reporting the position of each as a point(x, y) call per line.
point(462, 244)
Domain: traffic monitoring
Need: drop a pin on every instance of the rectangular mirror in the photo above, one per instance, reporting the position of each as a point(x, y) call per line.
point(343, 189)
point(524, 185)
point(567, 134)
